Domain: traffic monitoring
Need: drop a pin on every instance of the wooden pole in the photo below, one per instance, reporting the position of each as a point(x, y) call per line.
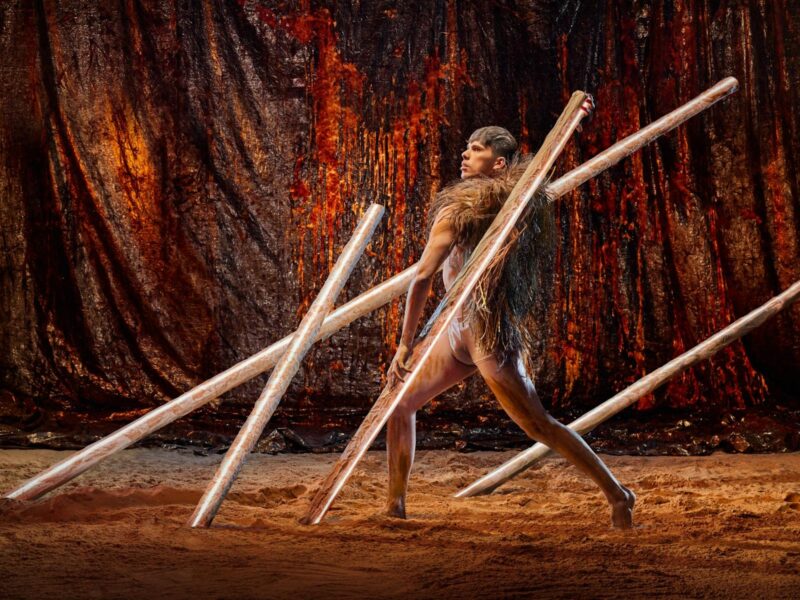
point(77, 463)
point(645, 385)
point(644, 136)
point(281, 377)
point(481, 257)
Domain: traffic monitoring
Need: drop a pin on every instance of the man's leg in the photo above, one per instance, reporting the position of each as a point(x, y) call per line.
point(441, 371)
point(516, 394)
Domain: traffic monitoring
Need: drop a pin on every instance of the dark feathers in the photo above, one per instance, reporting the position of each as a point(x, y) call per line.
point(501, 308)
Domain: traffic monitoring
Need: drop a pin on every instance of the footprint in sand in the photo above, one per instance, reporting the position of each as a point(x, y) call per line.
point(655, 499)
point(92, 504)
point(268, 497)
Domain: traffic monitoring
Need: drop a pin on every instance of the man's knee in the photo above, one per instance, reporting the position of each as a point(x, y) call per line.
point(542, 425)
point(402, 413)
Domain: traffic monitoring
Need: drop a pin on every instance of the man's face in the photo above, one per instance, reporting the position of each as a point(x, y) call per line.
point(478, 159)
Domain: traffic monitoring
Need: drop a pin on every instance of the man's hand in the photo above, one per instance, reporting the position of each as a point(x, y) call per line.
point(588, 105)
point(588, 108)
point(400, 366)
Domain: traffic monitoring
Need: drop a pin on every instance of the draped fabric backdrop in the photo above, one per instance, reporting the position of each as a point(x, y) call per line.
point(178, 177)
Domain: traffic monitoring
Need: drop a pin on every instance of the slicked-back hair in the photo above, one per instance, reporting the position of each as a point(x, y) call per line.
point(498, 139)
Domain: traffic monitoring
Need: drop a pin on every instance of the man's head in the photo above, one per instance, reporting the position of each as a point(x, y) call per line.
point(489, 150)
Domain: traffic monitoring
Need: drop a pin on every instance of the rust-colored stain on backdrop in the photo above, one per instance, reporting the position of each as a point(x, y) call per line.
point(179, 177)
point(349, 155)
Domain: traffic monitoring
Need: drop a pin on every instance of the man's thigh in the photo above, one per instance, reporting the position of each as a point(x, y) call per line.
point(513, 388)
point(440, 372)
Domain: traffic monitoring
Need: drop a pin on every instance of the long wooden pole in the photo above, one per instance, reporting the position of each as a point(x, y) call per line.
point(645, 385)
point(644, 136)
point(471, 272)
point(282, 376)
point(77, 463)
point(481, 257)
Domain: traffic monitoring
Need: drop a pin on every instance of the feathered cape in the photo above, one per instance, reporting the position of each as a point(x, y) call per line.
point(501, 308)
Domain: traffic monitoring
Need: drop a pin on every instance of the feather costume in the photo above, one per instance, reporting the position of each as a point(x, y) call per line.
point(502, 308)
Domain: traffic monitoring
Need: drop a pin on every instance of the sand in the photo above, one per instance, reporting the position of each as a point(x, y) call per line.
point(715, 526)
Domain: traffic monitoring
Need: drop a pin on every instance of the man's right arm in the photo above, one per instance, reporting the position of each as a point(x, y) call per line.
point(438, 247)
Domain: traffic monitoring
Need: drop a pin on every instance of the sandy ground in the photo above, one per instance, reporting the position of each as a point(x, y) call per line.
point(719, 526)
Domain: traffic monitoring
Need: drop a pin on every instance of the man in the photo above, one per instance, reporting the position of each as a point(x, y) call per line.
point(478, 342)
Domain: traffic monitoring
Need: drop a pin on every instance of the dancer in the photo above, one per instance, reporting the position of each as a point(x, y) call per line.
point(491, 334)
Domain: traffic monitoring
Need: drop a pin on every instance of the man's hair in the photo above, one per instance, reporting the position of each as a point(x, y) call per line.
point(498, 139)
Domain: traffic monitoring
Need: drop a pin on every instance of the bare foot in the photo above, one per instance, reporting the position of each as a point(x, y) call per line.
point(622, 510)
point(396, 508)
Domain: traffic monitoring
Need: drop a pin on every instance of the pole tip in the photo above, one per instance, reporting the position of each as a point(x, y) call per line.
point(730, 83)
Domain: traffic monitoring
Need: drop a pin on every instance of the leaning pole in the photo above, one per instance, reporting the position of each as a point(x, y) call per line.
point(82, 460)
point(281, 377)
point(389, 398)
point(491, 244)
point(371, 300)
point(642, 387)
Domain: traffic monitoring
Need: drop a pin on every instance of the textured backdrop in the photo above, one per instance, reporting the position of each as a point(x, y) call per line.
point(178, 177)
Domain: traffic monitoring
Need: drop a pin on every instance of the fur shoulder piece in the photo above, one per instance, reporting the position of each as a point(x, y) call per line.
point(471, 204)
point(501, 307)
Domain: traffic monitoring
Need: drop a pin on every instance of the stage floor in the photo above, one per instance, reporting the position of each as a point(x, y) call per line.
point(715, 526)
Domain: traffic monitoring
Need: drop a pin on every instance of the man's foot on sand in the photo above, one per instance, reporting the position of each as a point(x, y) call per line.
point(622, 510)
point(396, 508)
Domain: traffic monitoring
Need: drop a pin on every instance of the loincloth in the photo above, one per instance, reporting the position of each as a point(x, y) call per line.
point(462, 343)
